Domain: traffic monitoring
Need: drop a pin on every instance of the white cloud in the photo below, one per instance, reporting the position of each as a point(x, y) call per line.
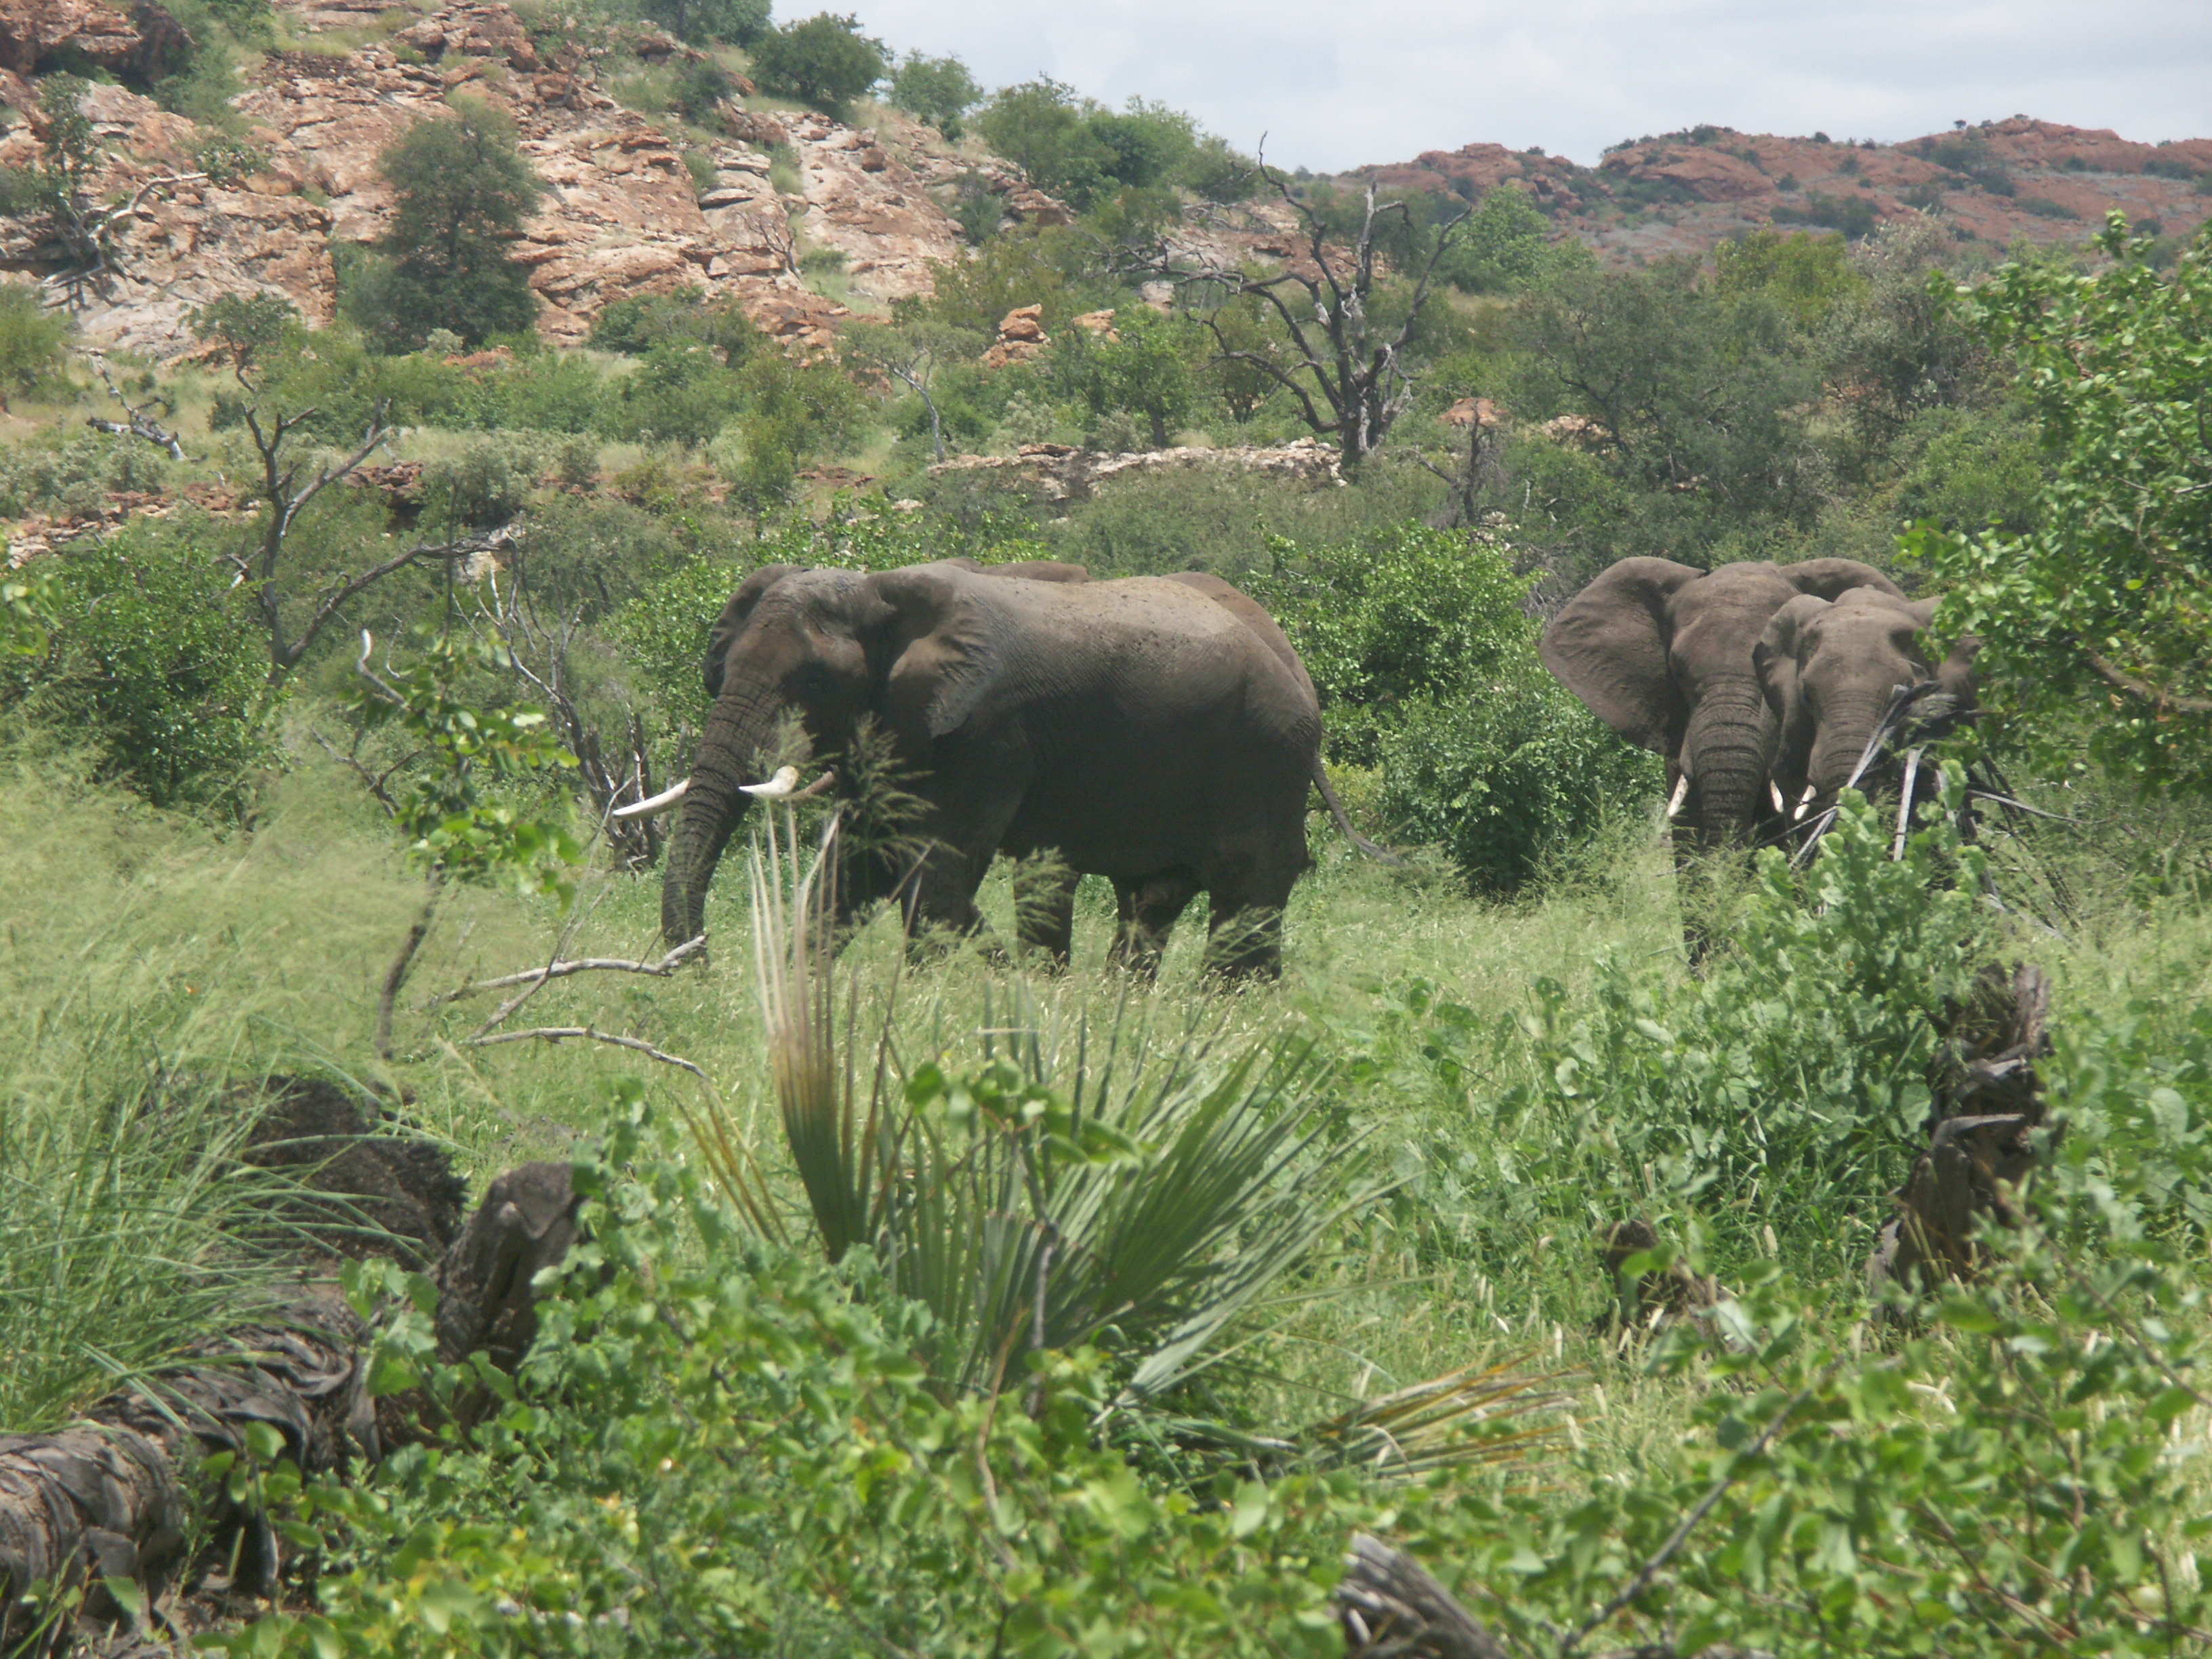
point(1335, 86)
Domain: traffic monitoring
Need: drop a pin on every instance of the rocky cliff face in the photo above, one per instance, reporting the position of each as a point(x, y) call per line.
point(1683, 193)
point(621, 213)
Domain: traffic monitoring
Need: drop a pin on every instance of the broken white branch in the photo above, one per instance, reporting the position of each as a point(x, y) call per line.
point(559, 1033)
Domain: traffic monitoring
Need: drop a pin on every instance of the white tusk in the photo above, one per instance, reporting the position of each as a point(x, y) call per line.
point(1904, 805)
point(660, 803)
point(1774, 793)
point(781, 787)
point(1803, 801)
point(1681, 792)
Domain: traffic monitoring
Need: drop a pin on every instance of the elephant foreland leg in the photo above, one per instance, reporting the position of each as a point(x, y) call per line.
point(1044, 908)
point(1244, 939)
point(1145, 914)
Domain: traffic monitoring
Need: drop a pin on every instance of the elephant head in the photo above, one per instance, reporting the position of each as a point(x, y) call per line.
point(1830, 670)
point(1662, 653)
point(905, 646)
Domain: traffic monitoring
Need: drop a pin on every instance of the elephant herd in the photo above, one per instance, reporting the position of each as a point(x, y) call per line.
point(1161, 731)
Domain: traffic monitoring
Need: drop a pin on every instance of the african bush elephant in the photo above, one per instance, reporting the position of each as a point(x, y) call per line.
point(1137, 729)
point(1831, 670)
point(1662, 653)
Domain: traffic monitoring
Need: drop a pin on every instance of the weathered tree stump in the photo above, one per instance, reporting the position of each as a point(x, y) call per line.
point(1988, 1103)
point(114, 1496)
point(1391, 1608)
point(1654, 1298)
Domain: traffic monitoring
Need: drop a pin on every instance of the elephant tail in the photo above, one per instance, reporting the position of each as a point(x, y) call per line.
point(1380, 854)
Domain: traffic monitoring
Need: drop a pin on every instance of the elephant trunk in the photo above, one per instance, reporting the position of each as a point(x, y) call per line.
point(1726, 752)
point(1846, 723)
point(738, 729)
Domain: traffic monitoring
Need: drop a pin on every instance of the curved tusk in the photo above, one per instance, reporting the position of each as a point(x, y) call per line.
point(660, 803)
point(1774, 794)
point(1803, 801)
point(1681, 793)
point(781, 787)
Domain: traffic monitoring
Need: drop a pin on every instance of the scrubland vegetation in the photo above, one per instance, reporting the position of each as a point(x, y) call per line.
point(950, 1386)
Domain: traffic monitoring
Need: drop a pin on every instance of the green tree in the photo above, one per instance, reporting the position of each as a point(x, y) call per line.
point(824, 61)
point(2098, 618)
point(937, 91)
point(462, 187)
point(1145, 367)
point(1502, 248)
point(1040, 126)
point(1808, 275)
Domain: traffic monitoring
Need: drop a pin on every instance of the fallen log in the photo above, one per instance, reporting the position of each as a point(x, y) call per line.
point(110, 1501)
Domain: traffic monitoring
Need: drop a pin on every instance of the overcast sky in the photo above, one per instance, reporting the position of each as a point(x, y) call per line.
point(1335, 84)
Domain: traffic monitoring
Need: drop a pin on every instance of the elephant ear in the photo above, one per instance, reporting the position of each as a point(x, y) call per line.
point(1831, 579)
point(1609, 647)
point(936, 638)
point(732, 622)
point(1777, 660)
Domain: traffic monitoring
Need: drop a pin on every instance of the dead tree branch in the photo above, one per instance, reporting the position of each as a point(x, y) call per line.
point(560, 1033)
point(137, 423)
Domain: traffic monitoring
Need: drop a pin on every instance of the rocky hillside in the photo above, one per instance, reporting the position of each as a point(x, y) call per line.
point(1686, 192)
point(625, 211)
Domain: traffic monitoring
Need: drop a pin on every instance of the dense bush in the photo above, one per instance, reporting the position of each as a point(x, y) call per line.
point(1395, 618)
point(1509, 779)
point(158, 665)
point(738, 22)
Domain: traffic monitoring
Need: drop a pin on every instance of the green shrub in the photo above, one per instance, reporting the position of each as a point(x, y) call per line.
point(735, 23)
point(1395, 618)
point(1510, 779)
point(483, 480)
point(558, 391)
point(824, 61)
point(30, 339)
point(160, 664)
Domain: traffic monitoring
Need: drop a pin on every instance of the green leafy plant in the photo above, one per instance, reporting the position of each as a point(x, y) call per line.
point(937, 91)
point(2095, 633)
point(457, 813)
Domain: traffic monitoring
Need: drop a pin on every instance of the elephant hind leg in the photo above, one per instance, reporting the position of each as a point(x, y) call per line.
point(1146, 912)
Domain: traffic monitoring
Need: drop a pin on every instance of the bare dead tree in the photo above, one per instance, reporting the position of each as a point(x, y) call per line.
point(615, 772)
point(137, 421)
point(1347, 372)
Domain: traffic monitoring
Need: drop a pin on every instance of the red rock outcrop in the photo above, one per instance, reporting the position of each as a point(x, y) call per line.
point(140, 43)
point(1684, 192)
point(621, 214)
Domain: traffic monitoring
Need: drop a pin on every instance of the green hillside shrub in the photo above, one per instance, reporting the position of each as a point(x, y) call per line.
point(30, 339)
point(939, 90)
point(824, 61)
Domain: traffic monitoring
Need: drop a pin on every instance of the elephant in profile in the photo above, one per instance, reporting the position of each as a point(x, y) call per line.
point(1831, 671)
point(1662, 653)
point(1137, 729)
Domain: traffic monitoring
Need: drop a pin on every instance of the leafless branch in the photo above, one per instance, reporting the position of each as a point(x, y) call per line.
point(560, 1033)
point(2114, 676)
